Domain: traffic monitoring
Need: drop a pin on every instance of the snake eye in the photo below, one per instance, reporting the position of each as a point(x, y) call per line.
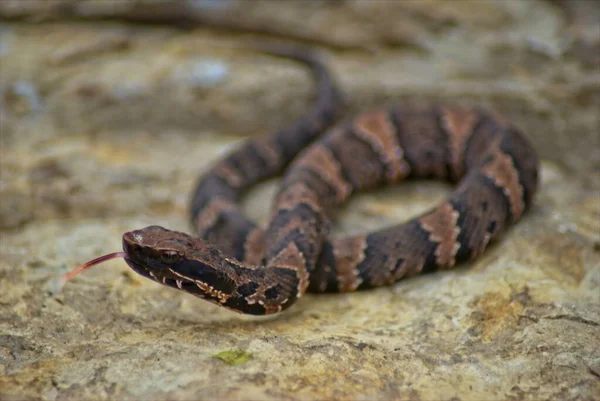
point(169, 257)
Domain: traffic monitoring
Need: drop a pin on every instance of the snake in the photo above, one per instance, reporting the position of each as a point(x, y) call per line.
point(233, 262)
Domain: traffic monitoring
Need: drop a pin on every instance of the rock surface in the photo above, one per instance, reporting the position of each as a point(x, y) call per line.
point(106, 124)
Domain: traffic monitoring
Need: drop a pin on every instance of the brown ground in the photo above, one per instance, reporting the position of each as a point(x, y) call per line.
point(105, 125)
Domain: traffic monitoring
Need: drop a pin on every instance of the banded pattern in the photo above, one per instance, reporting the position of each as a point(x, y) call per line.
point(235, 264)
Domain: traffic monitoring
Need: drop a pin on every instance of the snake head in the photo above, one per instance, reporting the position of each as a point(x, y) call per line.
point(180, 261)
point(187, 263)
point(156, 249)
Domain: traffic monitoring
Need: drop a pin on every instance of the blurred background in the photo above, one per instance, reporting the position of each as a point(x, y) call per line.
point(86, 67)
point(109, 110)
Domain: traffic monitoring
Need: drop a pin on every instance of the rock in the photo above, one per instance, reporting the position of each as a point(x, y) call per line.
point(106, 125)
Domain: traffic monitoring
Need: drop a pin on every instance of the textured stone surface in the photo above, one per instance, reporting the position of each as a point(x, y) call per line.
point(105, 125)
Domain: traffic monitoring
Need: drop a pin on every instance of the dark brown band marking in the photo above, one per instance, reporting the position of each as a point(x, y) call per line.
point(321, 161)
point(209, 216)
point(502, 171)
point(292, 259)
point(377, 129)
point(442, 229)
point(298, 193)
point(230, 174)
point(254, 247)
point(270, 152)
point(459, 124)
point(348, 255)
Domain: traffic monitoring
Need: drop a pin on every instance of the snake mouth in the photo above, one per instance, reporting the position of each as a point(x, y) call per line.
point(170, 279)
point(138, 268)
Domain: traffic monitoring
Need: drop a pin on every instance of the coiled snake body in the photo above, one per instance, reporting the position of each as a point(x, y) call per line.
point(233, 263)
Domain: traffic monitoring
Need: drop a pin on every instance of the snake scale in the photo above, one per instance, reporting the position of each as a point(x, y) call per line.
point(236, 264)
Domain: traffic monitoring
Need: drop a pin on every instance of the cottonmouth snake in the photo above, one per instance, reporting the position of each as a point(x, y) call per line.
point(234, 263)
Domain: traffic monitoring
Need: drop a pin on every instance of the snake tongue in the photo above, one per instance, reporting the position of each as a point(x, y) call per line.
point(98, 260)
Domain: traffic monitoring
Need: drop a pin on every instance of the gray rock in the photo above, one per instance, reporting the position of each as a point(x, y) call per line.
point(113, 122)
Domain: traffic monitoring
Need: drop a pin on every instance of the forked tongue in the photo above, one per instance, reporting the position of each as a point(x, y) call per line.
point(85, 266)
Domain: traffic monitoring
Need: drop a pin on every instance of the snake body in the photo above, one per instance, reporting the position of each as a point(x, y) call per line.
point(235, 264)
